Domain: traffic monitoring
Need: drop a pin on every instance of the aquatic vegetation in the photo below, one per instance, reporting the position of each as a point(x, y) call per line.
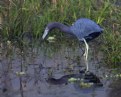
point(85, 85)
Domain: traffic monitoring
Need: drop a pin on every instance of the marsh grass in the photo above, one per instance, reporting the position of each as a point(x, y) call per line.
point(32, 16)
point(21, 16)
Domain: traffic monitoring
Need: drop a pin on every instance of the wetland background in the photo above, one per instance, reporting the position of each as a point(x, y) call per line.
point(26, 63)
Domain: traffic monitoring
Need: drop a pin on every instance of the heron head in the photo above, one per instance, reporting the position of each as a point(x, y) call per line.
point(45, 33)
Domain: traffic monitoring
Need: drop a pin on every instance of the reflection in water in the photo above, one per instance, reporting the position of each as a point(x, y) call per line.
point(115, 88)
point(24, 73)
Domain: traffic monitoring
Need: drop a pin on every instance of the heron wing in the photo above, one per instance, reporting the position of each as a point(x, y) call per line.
point(84, 27)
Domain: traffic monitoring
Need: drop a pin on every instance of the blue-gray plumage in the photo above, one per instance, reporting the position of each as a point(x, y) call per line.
point(84, 29)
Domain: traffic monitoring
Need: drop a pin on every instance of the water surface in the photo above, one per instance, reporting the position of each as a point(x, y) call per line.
point(24, 72)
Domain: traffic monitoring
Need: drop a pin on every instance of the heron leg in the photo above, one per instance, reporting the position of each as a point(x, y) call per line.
point(86, 54)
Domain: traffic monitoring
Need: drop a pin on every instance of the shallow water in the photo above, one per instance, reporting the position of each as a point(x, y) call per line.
point(23, 73)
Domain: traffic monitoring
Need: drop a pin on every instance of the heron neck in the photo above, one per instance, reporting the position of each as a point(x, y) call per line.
point(59, 26)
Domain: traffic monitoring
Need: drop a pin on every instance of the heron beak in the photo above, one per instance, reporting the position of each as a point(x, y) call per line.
point(45, 33)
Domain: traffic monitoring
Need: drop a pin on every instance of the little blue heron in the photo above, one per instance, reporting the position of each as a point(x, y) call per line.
point(83, 29)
